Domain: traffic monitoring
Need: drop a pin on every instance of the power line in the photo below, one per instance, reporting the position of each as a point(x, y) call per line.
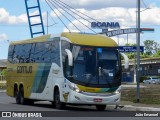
point(71, 10)
point(58, 16)
point(144, 4)
point(65, 16)
point(74, 17)
point(77, 11)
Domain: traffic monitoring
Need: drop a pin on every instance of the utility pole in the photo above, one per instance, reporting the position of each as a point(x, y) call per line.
point(138, 53)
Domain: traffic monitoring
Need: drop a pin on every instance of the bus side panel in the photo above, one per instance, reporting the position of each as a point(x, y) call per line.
point(49, 82)
point(21, 74)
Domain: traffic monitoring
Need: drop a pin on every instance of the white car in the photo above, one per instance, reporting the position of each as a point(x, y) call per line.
point(152, 80)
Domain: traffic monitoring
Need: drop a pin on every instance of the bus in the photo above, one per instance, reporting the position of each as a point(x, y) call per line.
point(69, 68)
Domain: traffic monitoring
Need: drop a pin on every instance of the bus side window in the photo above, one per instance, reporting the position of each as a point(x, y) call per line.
point(55, 52)
point(16, 55)
point(37, 54)
point(31, 53)
point(10, 53)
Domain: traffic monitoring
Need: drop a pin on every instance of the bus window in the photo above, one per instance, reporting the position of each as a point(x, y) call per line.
point(10, 53)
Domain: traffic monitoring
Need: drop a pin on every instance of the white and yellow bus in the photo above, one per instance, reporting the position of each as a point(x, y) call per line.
point(70, 68)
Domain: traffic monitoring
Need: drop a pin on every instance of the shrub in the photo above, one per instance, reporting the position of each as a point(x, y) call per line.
point(143, 78)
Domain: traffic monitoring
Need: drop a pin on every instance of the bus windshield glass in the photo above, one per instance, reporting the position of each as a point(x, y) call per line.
point(96, 66)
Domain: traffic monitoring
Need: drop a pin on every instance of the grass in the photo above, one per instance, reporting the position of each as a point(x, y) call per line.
point(148, 95)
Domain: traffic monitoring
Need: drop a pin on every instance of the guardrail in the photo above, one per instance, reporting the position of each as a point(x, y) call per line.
point(2, 80)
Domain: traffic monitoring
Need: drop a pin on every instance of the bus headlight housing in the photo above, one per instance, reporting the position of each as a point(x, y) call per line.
point(118, 91)
point(74, 88)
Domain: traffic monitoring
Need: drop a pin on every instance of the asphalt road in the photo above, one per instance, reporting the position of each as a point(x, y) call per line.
point(8, 104)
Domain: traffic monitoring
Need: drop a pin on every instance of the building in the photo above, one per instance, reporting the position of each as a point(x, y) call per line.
point(3, 64)
point(148, 67)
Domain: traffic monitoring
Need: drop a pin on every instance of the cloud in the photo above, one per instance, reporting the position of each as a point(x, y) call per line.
point(98, 4)
point(3, 37)
point(122, 39)
point(125, 16)
point(79, 25)
point(6, 18)
point(59, 12)
point(151, 16)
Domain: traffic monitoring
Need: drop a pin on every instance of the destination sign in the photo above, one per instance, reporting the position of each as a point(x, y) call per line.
point(130, 48)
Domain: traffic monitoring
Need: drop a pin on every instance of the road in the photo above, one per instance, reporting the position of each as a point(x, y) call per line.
point(8, 104)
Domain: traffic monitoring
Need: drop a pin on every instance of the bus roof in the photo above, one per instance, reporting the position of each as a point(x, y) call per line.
point(33, 40)
point(75, 38)
point(90, 39)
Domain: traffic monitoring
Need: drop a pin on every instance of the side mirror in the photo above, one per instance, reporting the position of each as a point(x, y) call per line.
point(126, 61)
point(70, 57)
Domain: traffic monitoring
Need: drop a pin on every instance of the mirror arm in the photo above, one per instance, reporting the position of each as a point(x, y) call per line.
point(70, 57)
point(126, 59)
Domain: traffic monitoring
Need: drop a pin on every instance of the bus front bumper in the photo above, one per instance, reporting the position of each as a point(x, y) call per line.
point(80, 98)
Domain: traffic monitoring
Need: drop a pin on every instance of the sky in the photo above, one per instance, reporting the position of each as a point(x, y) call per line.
point(14, 23)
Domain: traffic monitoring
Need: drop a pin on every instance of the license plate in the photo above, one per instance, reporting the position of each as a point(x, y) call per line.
point(97, 99)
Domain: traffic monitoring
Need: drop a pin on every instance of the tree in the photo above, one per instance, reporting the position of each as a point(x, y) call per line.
point(130, 55)
point(149, 46)
point(4, 72)
point(157, 54)
point(156, 46)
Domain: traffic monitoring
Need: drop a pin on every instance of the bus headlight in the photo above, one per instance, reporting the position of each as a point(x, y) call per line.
point(74, 88)
point(118, 91)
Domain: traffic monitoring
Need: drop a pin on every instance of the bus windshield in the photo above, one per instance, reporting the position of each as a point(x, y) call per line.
point(96, 66)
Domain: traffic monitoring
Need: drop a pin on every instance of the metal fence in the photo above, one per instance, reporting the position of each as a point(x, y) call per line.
point(2, 80)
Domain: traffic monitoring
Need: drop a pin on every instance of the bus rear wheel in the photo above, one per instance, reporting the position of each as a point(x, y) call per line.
point(101, 107)
point(58, 103)
point(16, 95)
point(23, 100)
point(21, 96)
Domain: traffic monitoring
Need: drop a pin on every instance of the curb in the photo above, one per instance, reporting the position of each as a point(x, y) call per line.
point(135, 108)
point(2, 91)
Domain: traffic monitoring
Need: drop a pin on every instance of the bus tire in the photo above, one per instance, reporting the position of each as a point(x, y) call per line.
point(53, 104)
point(101, 107)
point(16, 95)
point(58, 103)
point(21, 95)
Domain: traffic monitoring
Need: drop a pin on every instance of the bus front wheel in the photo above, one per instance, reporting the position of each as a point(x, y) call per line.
point(58, 103)
point(101, 107)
